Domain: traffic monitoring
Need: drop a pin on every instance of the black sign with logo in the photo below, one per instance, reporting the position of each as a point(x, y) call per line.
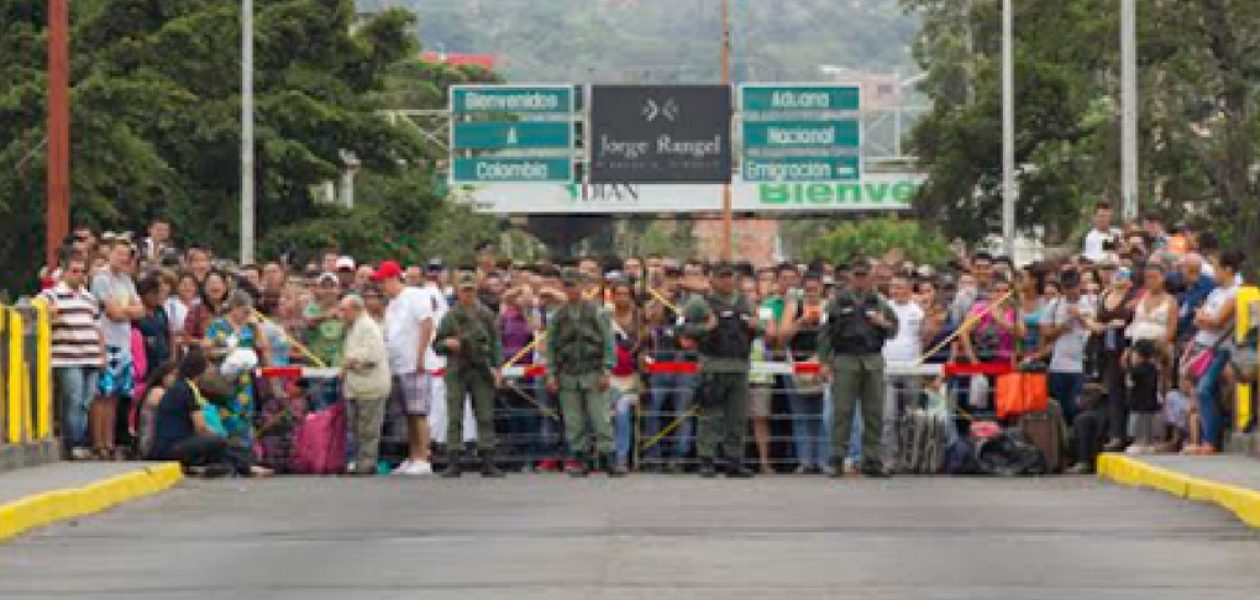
point(660, 134)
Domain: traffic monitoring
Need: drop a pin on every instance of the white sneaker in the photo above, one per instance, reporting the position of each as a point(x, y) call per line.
point(404, 468)
point(421, 468)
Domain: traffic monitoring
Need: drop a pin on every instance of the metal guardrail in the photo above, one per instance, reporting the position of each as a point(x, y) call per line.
point(27, 413)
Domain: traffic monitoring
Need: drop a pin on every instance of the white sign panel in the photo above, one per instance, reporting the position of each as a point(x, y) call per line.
point(874, 192)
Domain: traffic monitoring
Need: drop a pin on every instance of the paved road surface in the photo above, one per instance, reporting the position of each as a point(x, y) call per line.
point(644, 537)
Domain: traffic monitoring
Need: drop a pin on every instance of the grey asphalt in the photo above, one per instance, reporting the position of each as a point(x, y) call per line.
point(656, 537)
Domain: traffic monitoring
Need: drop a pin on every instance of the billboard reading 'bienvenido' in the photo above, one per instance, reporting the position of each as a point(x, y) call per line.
point(660, 134)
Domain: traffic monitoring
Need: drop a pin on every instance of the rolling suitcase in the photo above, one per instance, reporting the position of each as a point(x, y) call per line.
point(1048, 432)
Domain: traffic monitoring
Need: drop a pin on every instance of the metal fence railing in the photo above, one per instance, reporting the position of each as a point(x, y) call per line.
point(27, 412)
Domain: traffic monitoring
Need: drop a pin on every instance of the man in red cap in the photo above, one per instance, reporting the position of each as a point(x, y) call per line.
point(409, 325)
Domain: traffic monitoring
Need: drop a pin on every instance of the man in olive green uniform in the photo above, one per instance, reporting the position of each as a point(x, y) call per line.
point(580, 358)
point(724, 325)
point(468, 337)
point(850, 348)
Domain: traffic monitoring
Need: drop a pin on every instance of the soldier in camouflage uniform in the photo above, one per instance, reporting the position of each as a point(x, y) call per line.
point(468, 337)
point(580, 358)
point(850, 349)
point(724, 324)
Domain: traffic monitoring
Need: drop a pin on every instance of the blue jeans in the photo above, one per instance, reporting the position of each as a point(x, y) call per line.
point(1066, 388)
point(807, 425)
point(682, 388)
point(855, 438)
point(1209, 408)
point(76, 386)
point(623, 423)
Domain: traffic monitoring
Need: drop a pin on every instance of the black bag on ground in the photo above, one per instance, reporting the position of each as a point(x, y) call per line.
point(1010, 454)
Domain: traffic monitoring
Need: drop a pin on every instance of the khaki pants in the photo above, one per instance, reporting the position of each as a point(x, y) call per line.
point(479, 384)
point(858, 379)
point(723, 415)
point(586, 421)
point(369, 415)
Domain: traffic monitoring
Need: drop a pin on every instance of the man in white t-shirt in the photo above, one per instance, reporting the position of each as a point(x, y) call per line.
point(1102, 235)
point(1064, 325)
point(409, 325)
point(904, 348)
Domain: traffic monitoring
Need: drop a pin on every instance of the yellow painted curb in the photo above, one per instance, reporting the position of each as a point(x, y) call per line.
point(23, 515)
point(1244, 503)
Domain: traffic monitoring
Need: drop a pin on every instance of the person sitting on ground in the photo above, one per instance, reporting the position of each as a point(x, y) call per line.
point(156, 384)
point(185, 431)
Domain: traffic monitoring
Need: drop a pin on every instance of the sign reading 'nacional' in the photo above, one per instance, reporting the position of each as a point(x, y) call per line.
point(660, 134)
point(801, 133)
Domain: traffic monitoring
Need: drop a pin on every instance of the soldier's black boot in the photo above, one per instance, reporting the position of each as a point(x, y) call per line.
point(581, 467)
point(707, 470)
point(735, 469)
point(489, 468)
point(454, 465)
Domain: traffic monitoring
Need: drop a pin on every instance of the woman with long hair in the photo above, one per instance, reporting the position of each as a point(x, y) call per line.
point(214, 294)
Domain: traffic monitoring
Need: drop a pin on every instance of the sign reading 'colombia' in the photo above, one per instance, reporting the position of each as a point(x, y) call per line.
point(660, 134)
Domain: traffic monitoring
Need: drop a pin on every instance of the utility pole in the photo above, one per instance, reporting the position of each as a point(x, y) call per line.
point(727, 217)
point(1128, 110)
point(58, 176)
point(247, 132)
point(1008, 129)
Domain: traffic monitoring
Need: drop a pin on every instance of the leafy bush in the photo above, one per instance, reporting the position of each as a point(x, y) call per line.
point(875, 237)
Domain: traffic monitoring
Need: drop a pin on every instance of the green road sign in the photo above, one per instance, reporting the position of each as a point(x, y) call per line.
point(802, 168)
point(517, 100)
point(513, 170)
point(502, 135)
point(802, 134)
point(801, 98)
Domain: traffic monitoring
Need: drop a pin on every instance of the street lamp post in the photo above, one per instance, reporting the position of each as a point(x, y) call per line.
point(247, 131)
point(1008, 129)
point(1128, 110)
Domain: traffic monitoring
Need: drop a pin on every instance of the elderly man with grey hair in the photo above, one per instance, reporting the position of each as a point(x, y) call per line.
point(365, 373)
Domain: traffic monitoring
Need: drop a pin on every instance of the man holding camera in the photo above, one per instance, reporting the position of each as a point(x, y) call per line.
point(859, 322)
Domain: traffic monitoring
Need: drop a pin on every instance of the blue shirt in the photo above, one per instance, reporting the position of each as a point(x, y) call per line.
point(1189, 301)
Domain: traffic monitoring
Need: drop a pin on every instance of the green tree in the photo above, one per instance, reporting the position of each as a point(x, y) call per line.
point(1199, 64)
point(155, 124)
point(875, 237)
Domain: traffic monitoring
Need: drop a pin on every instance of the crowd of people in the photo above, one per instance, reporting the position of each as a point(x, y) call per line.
point(157, 351)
